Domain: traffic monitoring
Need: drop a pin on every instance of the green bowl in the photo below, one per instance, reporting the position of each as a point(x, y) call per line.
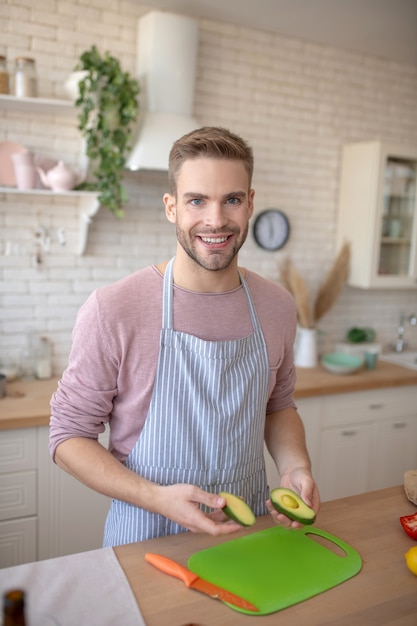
point(341, 363)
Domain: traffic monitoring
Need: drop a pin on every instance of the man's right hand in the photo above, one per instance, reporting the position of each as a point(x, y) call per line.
point(181, 504)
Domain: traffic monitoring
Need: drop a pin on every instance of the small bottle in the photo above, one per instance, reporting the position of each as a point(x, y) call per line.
point(43, 359)
point(25, 83)
point(4, 76)
point(14, 608)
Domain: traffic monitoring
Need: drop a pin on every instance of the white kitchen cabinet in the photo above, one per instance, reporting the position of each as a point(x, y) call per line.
point(378, 214)
point(396, 449)
point(358, 441)
point(18, 496)
point(87, 201)
point(44, 512)
point(366, 440)
point(345, 461)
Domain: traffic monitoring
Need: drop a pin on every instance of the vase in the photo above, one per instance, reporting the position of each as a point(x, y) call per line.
point(305, 348)
point(71, 84)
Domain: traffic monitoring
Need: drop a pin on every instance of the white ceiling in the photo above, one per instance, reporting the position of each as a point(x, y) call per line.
point(381, 28)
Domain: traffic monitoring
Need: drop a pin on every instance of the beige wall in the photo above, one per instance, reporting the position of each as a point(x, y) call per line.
point(296, 102)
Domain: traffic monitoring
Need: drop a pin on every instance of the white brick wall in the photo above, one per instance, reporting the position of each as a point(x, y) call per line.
point(296, 102)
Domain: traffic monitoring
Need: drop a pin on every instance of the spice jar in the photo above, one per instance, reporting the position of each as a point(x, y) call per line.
point(4, 76)
point(25, 78)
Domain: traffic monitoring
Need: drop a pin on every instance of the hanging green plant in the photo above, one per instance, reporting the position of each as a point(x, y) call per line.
point(108, 109)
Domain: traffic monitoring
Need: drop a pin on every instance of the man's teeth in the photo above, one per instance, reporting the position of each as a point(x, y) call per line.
point(214, 239)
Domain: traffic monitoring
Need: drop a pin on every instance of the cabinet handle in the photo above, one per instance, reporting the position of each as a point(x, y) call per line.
point(376, 406)
point(349, 433)
point(400, 425)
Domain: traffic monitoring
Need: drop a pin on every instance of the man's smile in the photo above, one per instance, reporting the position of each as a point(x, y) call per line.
point(214, 240)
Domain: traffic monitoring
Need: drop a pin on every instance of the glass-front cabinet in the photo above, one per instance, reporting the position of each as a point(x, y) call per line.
point(378, 214)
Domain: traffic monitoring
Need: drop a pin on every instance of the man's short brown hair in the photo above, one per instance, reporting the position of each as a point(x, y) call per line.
point(209, 141)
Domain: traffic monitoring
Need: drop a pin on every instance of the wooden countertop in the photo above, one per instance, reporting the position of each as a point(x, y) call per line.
point(384, 592)
point(319, 382)
point(27, 402)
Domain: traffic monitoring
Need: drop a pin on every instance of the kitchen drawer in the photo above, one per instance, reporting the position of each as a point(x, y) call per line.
point(18, 495)
point(18, 541)
point(18, 450)
point(363, 406)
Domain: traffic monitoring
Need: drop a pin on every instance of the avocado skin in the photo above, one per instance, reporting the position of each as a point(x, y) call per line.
point(303, 514)
point(234, 503)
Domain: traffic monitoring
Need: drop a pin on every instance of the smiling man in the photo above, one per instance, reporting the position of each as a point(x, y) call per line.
point(190, 363)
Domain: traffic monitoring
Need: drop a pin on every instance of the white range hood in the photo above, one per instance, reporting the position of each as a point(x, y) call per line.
point(166, 66)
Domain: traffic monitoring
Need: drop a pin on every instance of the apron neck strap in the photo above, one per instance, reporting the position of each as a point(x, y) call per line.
point(168, 299)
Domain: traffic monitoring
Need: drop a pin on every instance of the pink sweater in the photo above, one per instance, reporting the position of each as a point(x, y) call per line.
point(115, 347)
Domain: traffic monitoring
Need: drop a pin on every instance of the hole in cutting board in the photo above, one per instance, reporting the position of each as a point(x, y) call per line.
point(326, 543)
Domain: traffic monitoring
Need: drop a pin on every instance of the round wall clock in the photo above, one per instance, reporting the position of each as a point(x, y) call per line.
point(271, 229)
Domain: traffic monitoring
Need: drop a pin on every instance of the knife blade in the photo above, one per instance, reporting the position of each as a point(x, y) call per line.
point(168, 566)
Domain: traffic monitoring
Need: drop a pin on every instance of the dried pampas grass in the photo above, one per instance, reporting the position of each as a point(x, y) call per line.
point(297, 286)
point(327, 293)
point(333, 283)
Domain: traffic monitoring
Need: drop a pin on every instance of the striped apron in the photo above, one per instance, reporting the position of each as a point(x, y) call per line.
point(205, 424)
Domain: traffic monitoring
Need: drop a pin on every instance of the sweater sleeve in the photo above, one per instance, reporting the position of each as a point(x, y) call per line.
point(83, 402)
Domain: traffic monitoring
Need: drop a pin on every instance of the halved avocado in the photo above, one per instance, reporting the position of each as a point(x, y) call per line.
point(289, 503)
point(237, 509)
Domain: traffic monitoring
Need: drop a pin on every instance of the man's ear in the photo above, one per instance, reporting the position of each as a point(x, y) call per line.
point(170, 208)
point(251, 202)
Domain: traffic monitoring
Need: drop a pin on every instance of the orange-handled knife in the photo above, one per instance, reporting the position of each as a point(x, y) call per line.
point(168, 566)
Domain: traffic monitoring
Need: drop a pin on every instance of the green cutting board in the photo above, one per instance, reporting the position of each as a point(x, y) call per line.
point(278, 567)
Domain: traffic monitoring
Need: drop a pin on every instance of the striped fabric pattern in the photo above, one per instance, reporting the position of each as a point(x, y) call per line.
point(205, 424)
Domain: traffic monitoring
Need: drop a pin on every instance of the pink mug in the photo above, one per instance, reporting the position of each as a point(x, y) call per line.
point(24, 169)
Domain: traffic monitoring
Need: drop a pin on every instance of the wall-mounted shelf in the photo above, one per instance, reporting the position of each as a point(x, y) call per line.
point(87, 201)
point(37, 105)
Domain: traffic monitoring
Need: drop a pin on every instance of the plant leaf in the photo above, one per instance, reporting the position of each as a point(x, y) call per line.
point(107, 108)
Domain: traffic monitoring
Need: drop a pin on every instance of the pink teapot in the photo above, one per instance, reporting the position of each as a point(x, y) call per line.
point(60, 177)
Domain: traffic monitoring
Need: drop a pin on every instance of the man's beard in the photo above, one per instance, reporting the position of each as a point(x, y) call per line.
point(216, 260)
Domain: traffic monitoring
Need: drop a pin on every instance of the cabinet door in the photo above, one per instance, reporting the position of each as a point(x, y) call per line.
point(345, 458)
point(378, 214)
point(396, 451)
point(18, 542)
point(18, 450)
point(18, 494)
point(396, 247)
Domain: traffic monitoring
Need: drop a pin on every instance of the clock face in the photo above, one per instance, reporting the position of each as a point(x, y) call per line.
point(271, 229)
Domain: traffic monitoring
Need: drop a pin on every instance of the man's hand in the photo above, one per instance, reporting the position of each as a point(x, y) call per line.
point(181, 504)
point(300, 481)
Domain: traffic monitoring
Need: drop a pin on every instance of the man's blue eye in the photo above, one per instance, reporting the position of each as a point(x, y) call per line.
point(233, 200)
point(196, 201)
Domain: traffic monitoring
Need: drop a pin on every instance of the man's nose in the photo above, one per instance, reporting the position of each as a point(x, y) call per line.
point(215, 215)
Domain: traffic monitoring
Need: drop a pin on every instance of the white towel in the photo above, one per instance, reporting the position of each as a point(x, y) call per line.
point(85, 589)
